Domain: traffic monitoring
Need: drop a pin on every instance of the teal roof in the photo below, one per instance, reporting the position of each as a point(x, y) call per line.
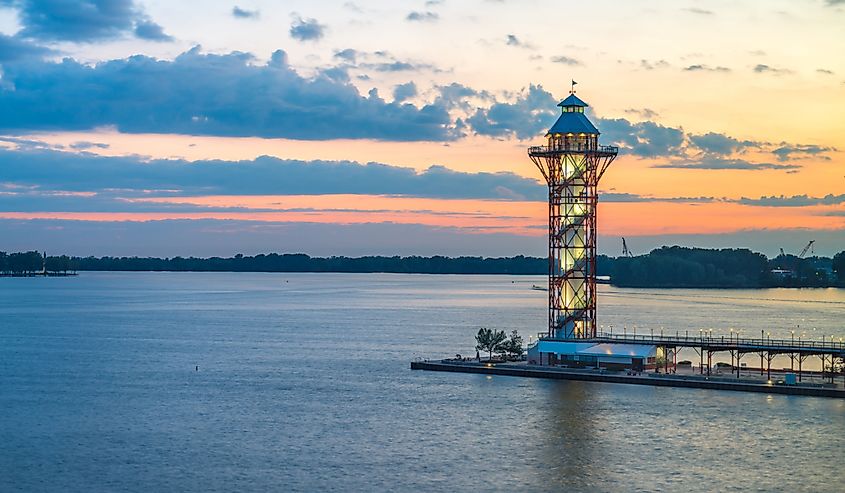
point(573, 122)
point(573, 100)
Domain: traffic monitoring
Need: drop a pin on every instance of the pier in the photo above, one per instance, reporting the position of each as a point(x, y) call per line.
point(659, 380)
point(667, 375)
point(764, 347)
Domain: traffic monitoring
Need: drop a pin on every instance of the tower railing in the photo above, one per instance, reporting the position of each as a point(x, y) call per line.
point(544, 150)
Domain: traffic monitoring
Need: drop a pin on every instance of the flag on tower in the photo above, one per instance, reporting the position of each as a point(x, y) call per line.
point(572, 90)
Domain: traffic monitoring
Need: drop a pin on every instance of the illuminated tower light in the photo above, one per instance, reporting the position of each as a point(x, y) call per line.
point(572, 163)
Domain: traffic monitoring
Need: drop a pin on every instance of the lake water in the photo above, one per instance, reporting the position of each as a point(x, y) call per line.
point(304, 385)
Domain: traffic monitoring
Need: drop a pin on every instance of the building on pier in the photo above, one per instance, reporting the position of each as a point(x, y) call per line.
point(610, 356)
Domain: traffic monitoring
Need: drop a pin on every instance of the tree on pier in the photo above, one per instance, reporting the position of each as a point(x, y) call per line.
point(513, 346)
point(489, 340)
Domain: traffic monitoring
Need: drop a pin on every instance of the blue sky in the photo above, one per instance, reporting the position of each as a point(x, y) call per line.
point(218, 127)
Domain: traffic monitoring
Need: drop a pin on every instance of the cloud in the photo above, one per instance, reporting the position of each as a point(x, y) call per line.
point(348, 55)
point(824, 71)
point(642, 113)
point(706, 68)
point(512, 40)
point(423, 17)
point(794, 201)
point(718, 163)
point(83, 20)
point(716, 143)
point(633, 197)
point(799, 151)
point(307, 29)
point(565, 60)
point(13, 48)
point(699, 11)
point(380, 61)
point(405, 91)
point(649, 65)
point(151, 31)
point(240, 13)
point(532, 112)
point(644, 139)
point(766, 69)
point(75, 172)
point(206, 94)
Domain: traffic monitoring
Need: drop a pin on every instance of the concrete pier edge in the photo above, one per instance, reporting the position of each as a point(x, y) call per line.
point(562, 374)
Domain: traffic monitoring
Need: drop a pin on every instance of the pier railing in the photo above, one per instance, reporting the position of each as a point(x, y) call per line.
point(727, 342)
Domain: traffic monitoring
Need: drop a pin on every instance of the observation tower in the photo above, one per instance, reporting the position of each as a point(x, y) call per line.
point(572, 163)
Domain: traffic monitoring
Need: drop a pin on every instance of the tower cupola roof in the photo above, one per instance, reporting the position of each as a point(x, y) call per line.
point(572, 119)
point(573, 100)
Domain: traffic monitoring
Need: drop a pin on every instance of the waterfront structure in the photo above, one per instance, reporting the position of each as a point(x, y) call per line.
point(572, 163)
point(611, 356)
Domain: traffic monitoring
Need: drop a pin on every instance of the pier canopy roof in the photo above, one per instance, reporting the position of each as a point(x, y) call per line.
point(572, 119)
point(560, 347)
point(635, 350)
point(601, 349)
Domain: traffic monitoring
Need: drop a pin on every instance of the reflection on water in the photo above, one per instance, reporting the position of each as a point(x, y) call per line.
point(303, 384)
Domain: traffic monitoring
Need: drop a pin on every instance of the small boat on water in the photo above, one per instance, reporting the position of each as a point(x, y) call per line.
point(538, 288)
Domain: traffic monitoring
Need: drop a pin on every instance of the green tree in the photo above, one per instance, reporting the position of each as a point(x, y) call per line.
point(489, 340)
point(513, 346)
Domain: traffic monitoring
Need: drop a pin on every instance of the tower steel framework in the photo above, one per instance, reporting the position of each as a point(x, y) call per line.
point(572, 163)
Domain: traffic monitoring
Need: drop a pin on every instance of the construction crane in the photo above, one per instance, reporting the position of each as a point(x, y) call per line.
point(807, 248)
point(625, 251)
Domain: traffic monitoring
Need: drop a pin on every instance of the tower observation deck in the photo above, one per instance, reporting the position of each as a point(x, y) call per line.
point(572, 163)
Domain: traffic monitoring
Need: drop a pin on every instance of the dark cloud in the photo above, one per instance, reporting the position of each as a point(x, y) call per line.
point(794, 201)
point(423, 17)
point(633, 197)
point(380, 61)
point(204, 94)
point(348, 55)
point(405, 91)
point(74, 172)
point(532, 112)
point(717, 163)
point(716, 143)
point(456, 95)
point(565, 60)
point(706, 68)
point(13, 48)
point(824, 71)
point(766, 69)
point(787, 152)
point(83, 20)
point(642, 113)
point(85, 145)
point(644, 139)
point(649, 65)
point(244, 13)
point(512, 40)
point(151, 31)
point(307, 29)
point(699, 11)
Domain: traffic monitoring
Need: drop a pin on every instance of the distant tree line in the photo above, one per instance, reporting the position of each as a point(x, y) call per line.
point(34, 263)
point(680, 267)
point(670, 267)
